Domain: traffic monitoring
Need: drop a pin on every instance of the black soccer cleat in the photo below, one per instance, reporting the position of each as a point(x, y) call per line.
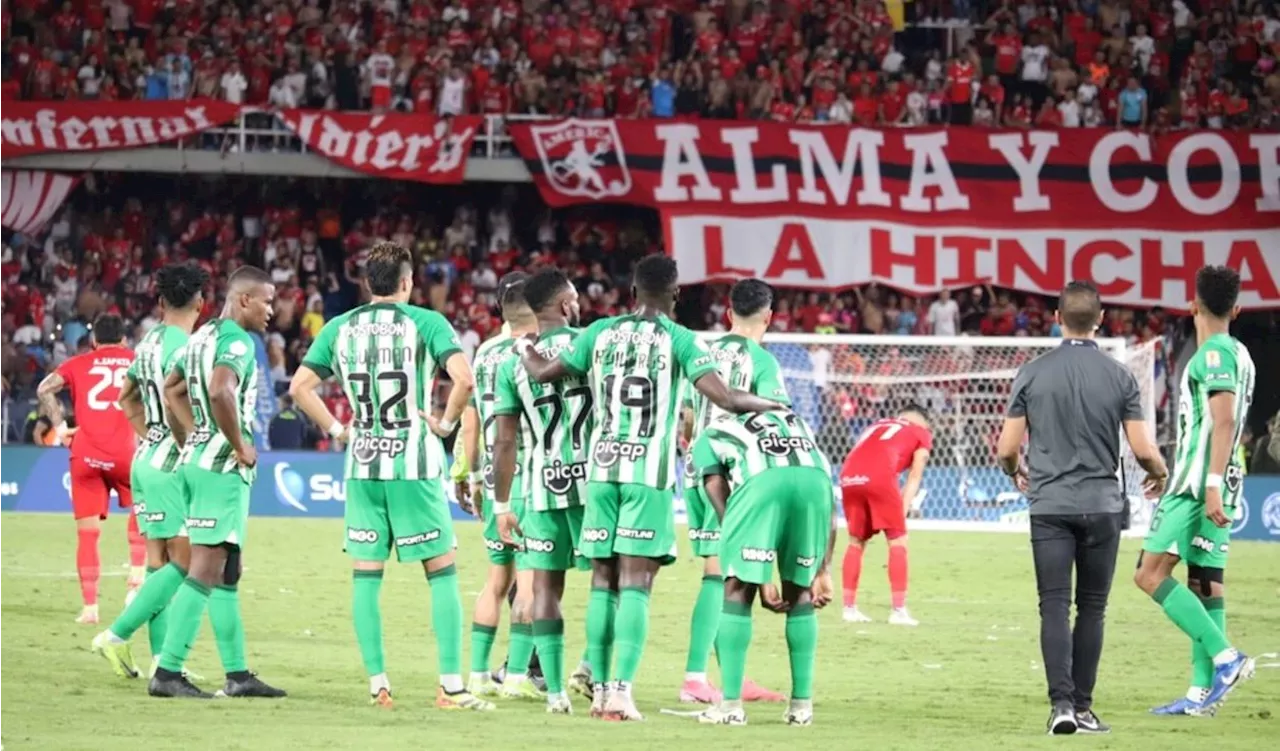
point(250, 686)
point(1062, 720)
point(1088, 723)
point(171, 686)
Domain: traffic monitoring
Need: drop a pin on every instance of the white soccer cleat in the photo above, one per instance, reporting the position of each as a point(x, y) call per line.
point(599, 698)
point(720, 714)
point(853, 615)
point(621, 707)
point(800, 712)
point(88, 615)
point(485, 687)
point(559, 705)
point(900, 617)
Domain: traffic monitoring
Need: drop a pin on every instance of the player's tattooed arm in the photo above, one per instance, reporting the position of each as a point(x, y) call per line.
point(717, 490)
point(540, 369)
point(47, 396)
point(506, 428)
point(224, 406)
point(130, 403)
point(302, 388)
point(178, 402)
point(464, 382)
point(738, 402)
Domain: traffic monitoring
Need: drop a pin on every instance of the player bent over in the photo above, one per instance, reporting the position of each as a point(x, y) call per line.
point(771, 487)
point(872, 503)
point(1193, 520)
point(638, 366)
point(101, 451)
point(478, 427)
point(213, 388)
point(162, 503)
point(386, 354)
point(743, 364)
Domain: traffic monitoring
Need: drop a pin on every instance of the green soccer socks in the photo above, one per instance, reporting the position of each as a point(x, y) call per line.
point(520, 649)
point(602, 609)
point(548, 637)
point(632, 631)
point(366, 616)
point(802, 647)
point(185, 613)
point(482, 638)
point(148, 605)
point(1202, 659)
point(446, 620)
point(1188, 614)
point(703, 624)
point(228, 628)
point(733, 640)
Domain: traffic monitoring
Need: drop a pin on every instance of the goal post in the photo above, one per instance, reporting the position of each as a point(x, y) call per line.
point(840, 384)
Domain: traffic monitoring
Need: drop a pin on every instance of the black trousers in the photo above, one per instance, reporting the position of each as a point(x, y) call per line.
point(1089, 543)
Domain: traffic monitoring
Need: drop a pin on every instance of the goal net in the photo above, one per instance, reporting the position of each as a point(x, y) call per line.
point(841, 384)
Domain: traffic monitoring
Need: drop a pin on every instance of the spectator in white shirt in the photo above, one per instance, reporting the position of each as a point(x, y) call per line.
point(282, 96)
point(1143, 46)
point(944, 315)
point(1069, 108)
point(892, 63)
point(233, 84)
point(841, 110)
point(1035, 70)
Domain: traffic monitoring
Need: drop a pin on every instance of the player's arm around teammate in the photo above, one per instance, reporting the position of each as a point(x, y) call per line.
point(177, 401)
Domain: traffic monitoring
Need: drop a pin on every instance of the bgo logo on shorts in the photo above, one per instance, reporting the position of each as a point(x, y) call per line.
point(1271, 513)
point(609, 453)
point(368, 448)
point(559, 478)
point(595, 534)
point(496, 546)
point(539, 546)
point(759, 555)
point(362, 535)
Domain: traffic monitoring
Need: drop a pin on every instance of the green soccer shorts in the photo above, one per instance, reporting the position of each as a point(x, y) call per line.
point(162, 515)
point(500, 553)
point(780, 518)
point(628, 519)
point(217, 506)
point(704, 525)
point(1180, 527)
point(552, 539)
point(411, 516)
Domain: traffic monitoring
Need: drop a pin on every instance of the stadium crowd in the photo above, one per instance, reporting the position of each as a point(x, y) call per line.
point(1150, 64)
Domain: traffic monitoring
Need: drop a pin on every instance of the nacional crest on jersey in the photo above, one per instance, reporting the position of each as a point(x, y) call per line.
point(583, 158)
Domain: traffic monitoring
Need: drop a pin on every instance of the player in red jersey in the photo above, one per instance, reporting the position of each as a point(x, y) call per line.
point(101, 450)
point(872, 503)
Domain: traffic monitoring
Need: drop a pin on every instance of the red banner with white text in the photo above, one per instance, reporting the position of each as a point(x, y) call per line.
point(44, 127)
point(396, 146)
point(827, 207)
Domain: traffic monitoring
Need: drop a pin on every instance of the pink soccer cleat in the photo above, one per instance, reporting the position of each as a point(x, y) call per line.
point(699, 692)
point(752, 691)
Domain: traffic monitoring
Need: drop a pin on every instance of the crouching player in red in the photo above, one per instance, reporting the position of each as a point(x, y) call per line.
point(872, 503)
point(101, 451)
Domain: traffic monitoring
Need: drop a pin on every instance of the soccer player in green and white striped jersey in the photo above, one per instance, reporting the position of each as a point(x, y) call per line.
point(770, 485)
point(161, 504)
point(477, 438)
point(550, 425)
point(211, 391)
point(743, 364)
point(385, 355)
point(1193, 521)
point(639, 367)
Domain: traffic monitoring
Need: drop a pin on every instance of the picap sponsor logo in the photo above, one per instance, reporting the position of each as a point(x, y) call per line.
point(609, 453)
point(539, 546)
point(776, 445)
point(595, 534)
point(294, 491)
point(559, 478)
point(759, 555)
point(704, 535)
point(367, 449)
point(635, 534)
point(418, 539)
point(362, 535)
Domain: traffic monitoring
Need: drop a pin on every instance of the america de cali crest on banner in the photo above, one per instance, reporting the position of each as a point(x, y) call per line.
point(573, 154)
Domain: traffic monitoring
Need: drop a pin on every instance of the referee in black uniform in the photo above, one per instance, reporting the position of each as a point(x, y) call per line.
point(1071, 403)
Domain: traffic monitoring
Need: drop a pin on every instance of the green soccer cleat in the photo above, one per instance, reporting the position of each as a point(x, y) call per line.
point(118, 655)
point(520, 688)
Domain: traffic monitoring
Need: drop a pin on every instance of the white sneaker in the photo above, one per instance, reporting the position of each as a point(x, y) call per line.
point(853, 615)
point(620, 706)
point(900, 617)
point(599, 698)
point(559, 705)
point(800, 712)
point(720, 714)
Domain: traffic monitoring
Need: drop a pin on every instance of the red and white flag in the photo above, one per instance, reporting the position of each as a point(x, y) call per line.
point(32, 197)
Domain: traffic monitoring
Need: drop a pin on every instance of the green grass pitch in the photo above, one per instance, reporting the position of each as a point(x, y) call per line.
point(968, 678)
